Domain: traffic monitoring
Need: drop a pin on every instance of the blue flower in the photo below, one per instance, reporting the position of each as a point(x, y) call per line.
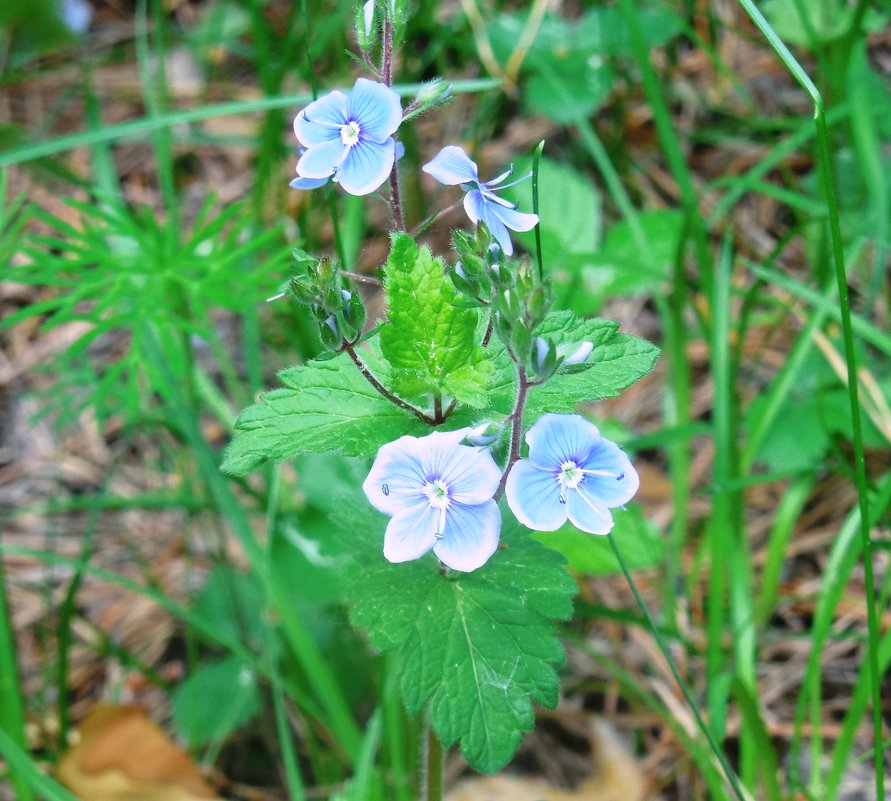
point(572, 472)
point(438, 493)
point(314, 183)
point(453, 166)
point(349, 137)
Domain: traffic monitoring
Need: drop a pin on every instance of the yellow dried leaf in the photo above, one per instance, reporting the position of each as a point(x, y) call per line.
point(123, 756)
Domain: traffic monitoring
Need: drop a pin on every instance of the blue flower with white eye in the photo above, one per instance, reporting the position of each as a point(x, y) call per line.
point(453, 166)
point(349, 137)
point(438, 493)
point(572, 472)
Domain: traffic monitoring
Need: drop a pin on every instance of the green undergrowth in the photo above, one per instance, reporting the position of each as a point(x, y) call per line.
point(173, 336)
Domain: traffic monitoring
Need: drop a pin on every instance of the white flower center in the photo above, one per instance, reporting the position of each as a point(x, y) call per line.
point(570, 475)
point(349, 133)
point(437, 494)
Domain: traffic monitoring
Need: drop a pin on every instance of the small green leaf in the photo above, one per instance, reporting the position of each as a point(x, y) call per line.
point(617, 361)
point(327, 406)
point(430, 343)
point(217, 699)
point(477, 647)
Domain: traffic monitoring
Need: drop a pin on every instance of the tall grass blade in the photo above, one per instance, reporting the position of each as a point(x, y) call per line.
point(830, 196)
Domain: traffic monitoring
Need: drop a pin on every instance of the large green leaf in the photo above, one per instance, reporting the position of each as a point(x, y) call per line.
point(326, 406)
point(477, 647)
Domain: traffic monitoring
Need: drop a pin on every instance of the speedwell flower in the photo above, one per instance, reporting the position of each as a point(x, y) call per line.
point(439, 495)
point(349, 137)
point(453, 166)
point(572, 472)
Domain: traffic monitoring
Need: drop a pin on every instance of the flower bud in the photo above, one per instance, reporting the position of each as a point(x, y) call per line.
point(545, 361)
point(434, 93)
point(575, 353)
point(485, 434)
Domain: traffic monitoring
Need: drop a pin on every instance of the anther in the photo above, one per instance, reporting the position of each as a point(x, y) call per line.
point(562, 498)
point(620, 476)
point(385, 489)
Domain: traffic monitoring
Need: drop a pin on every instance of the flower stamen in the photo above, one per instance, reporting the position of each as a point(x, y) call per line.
point(349, 133)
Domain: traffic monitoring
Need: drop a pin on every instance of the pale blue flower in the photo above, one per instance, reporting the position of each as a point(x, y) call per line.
point(76, 14)
point(572, 472)
point(453, 166)
point(349, 137)
point(314, 183)
point(438, 493)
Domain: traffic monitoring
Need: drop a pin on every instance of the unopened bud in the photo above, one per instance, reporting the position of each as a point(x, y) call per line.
point(484, 434)
point(575, 354)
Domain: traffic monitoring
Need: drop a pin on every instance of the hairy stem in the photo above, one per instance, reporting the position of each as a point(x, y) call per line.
point(369, 376)
point(387, 77)
point(516, 427)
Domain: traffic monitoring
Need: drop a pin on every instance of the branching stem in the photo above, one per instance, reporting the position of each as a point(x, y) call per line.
point(369, 376)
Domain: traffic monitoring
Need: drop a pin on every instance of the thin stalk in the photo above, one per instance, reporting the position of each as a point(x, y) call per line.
point(387, 74)
point(12, 711)
point(394, 399)
point(433, 758)
point(536, 162)
point(516, 426)
point(731, 777)
point(829, 191)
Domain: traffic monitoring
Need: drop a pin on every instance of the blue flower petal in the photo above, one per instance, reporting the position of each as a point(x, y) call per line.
point(557, 438)
point(376, 109)
point(587, 512)
point(411, 533)
point(396, 479)
point(320, 161)
point(452, 166)
point(320, 121)
point(366, 167)
point(614, 481)
point(308, 183)
point(470, 536)
point(470, 474)
point(515, 220)
point(479, 210)
point(534, 497)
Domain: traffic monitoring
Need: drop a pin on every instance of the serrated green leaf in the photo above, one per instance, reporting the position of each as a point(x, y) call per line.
point(430, 343)
point(617, 361)
point(477, 647)
point(326, 407)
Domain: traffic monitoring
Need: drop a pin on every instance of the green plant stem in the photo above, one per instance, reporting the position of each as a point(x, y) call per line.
point(12, 712)
point(536, 163)
point(433, 758)
point(371, 379)
point(830, 196)
point(731, 777)
point(516, 426)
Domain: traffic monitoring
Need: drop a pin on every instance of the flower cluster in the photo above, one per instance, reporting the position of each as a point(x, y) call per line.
point(439, 491)
point(349, 138)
